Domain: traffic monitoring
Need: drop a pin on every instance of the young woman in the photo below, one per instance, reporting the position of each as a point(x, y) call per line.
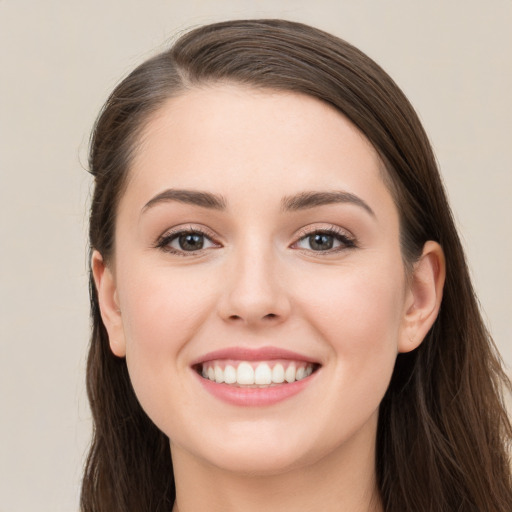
point(282, 314)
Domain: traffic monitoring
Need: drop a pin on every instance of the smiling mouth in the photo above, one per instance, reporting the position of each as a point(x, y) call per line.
point(255, 374)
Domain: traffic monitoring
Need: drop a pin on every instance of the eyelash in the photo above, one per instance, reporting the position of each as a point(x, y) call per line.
point(165, 240)
point(339, 234)
point(347, 242)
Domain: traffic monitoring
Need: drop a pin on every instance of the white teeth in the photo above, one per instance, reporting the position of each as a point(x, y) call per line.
point(289, 375)
point(255, 374)
point(263, 374)
point(219, 374)
point(278, 374)
point(245, 374)
point(229, 374)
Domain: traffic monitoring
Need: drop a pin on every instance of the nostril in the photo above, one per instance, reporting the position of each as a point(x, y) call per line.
point(270, 316)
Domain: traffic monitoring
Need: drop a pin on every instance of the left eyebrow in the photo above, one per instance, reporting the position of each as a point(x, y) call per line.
point(306, 200)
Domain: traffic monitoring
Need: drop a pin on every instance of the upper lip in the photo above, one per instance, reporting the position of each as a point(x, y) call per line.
point(253, 354)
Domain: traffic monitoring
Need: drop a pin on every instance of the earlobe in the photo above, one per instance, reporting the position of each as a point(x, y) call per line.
point(109, 304)
point(425, 295)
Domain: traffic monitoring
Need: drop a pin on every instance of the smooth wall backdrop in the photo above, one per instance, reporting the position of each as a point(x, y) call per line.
point(58, 62)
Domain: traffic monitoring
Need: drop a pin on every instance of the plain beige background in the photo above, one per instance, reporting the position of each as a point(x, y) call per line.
point(58, 61)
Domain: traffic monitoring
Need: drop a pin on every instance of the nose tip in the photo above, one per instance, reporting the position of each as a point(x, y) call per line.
point(253, 296)
point(258, 308)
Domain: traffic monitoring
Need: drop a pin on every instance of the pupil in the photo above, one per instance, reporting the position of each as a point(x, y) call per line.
point(321, 241)
point(191, 242)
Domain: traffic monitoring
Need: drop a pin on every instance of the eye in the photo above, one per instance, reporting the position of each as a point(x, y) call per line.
point(185, 241)
point(330, 240)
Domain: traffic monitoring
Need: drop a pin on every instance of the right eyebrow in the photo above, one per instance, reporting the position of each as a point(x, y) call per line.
point(194, 197)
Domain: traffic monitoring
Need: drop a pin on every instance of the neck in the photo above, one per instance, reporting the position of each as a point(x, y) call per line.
point(342, 480)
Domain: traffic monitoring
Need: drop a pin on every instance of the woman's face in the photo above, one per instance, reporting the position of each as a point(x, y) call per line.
point(258, 283)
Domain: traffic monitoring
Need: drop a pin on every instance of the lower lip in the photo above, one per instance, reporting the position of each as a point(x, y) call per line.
point(254, 397)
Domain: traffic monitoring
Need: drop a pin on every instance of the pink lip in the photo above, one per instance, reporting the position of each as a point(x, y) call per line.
point(251, 354)
point(254, 397)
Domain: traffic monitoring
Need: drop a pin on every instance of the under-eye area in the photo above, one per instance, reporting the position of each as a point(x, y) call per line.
point(255, 373)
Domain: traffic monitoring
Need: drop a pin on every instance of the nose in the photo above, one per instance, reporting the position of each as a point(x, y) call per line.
point(254, 295)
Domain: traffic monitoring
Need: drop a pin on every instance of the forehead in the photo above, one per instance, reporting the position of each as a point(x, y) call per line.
point(232, 139)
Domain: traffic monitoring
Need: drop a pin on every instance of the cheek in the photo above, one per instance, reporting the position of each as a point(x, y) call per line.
point(162, 311)
point(358, 313)
point(367, 303)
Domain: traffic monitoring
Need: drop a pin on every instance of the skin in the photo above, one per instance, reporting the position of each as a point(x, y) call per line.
point(256, 283)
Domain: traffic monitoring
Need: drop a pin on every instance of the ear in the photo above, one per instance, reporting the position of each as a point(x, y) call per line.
point(425, 291)
point(109, 304)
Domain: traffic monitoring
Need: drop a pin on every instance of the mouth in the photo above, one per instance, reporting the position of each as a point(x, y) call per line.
point(255, 377)
point(255, 374)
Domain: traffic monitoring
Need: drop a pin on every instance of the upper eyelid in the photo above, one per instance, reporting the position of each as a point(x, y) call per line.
point(177, 230)
point(326, 228)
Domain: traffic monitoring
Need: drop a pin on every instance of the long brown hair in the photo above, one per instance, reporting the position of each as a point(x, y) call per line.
point(443, 436)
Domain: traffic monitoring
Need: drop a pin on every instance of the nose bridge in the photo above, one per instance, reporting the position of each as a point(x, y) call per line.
point(254, 293)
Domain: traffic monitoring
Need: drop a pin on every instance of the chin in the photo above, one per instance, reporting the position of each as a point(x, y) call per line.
point(259, 462)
